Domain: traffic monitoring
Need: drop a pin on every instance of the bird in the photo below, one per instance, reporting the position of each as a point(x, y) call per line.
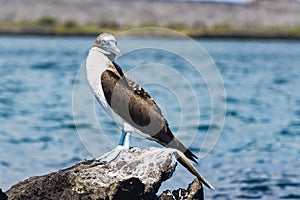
point(129, 104)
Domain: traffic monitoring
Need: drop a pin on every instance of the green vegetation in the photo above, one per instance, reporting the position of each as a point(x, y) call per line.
point(108, 23)
point(46, 21)
point(49, 25)
point(149, 24)
point(70, 23)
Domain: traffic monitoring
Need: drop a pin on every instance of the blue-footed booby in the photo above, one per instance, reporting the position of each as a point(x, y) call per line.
point(129, 104)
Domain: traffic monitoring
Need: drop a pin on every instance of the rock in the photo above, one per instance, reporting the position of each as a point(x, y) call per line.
point(194, 191)
point(3, 196)
point(134, 174)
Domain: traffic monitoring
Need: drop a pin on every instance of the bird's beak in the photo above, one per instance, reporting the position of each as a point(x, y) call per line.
point(114, 49)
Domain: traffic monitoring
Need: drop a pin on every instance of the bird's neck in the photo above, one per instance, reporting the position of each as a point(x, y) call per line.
point(111, 57)
point(96, 63)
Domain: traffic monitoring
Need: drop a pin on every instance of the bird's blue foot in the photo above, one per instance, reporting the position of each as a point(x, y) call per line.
point(111, 155)
point(123, 144)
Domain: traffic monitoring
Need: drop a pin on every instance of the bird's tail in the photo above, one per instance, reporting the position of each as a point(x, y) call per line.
point(167, 139)
point(182, 154)
point(176, 144)
point(186, 163)
point(171, 142)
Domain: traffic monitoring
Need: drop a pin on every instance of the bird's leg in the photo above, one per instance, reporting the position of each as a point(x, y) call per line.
point(125, 139)
point(126, 134)
point(123, 144)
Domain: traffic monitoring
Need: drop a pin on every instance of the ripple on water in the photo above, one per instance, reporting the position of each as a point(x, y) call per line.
point(42, 139)
point(291, 196)
point(293, 129)
point(280, 81)
point(205, 127)
point(6, 101)
point(80, 126)
point(256, 188)
point(45, 65)
point(248, 119)
point(297, 113)
point(255, 180)
point(221, 196)
point(7, 112)
point(232, 100)
point(231, 113)
point(287, 182)
point(253, 196)
point(4, 164)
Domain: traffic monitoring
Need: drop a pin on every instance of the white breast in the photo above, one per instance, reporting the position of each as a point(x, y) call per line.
point(96, 64)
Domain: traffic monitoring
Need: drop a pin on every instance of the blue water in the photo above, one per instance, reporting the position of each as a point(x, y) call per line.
point(256, 156)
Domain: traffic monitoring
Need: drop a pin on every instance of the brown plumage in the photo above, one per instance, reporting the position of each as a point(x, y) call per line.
point(134, 104)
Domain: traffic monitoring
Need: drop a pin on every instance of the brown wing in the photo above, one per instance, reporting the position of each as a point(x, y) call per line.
point(134, 104)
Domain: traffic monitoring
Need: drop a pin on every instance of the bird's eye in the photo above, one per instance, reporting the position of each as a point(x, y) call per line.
point(116, 43)
point(104, 42)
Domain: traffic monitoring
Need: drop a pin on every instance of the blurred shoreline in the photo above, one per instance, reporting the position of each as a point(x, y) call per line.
point(213, 37)
point(258, 19)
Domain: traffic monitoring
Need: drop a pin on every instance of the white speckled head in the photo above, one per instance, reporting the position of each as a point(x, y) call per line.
point(108, 45)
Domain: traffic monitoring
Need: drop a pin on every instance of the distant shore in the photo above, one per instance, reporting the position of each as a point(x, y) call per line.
point(281, 33)
point(259, 19)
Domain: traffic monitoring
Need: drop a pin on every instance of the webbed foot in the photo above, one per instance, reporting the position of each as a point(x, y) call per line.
point(111, 155)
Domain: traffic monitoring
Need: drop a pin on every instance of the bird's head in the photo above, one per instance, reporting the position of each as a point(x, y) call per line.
point(108, 45)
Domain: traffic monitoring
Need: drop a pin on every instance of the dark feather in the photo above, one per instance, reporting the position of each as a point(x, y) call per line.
point(119, 69)
point(134, 104)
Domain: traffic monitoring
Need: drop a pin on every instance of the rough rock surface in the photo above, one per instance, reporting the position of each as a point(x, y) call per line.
point(194, 191)
point(134, 174)
point(3, 196)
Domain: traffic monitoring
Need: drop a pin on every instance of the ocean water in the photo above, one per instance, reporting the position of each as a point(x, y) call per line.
point(256, 155)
